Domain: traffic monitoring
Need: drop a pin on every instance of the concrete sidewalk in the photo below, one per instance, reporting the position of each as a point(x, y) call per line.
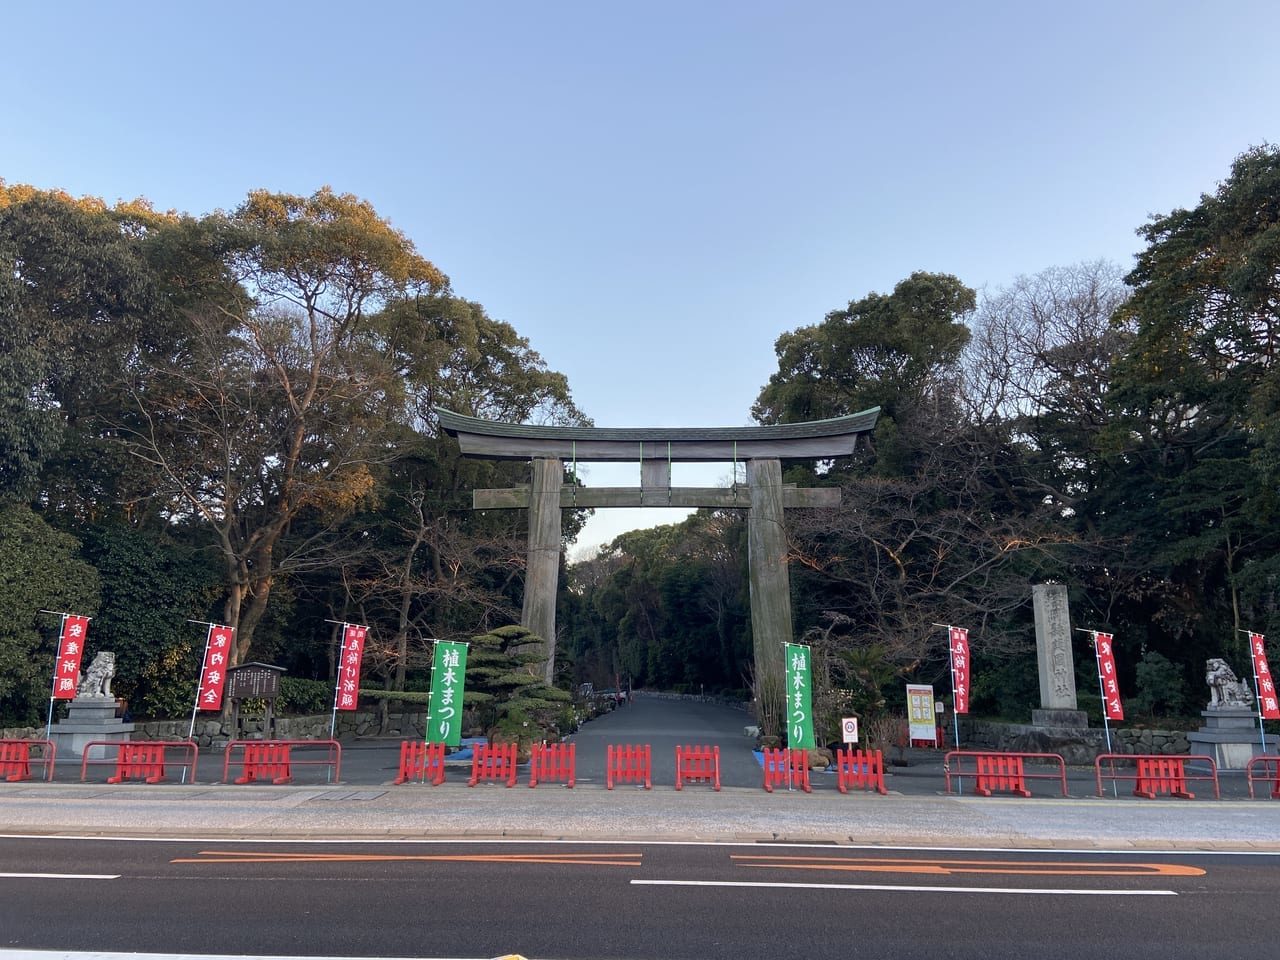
point(917, 810)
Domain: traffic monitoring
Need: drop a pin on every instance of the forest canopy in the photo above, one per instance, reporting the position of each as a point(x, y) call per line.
point(229, 418)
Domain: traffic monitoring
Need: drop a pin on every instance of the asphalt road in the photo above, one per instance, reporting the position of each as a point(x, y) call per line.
point(626, 900)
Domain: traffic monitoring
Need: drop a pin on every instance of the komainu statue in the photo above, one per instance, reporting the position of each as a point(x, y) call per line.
point(1225, 689)
point(96, 681)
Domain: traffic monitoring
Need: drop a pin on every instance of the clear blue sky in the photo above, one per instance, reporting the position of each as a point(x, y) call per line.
point(652, 192)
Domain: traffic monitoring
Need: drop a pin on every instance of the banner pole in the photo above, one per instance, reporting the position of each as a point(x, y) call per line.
point(53, 687)
point(1257, 700)
point(337, 682)
point(955, 716)
point(204, 658)
point(195, 707)
point(1102, 694)
point(1257, 686)
point(426, 718)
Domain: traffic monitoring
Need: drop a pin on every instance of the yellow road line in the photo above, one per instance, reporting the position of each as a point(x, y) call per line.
point(943, 867)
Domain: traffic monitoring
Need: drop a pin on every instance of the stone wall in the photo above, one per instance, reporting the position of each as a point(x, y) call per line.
point(21, 733)
point(1076, 746)
point(213, 734)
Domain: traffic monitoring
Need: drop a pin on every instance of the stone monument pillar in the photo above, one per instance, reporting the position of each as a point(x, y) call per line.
point(1058, 726)
point(91, 716)
point(1058, 706)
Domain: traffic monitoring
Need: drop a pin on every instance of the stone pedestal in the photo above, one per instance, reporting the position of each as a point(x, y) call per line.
point(1230, 736)
point(1070, 719)
point(89, 719)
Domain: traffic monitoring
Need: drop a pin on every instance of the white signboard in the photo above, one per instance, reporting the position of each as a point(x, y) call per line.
point(849, 726)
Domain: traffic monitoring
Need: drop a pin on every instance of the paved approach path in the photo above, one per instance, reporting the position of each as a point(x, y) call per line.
point(665, 723)
point(365, 803)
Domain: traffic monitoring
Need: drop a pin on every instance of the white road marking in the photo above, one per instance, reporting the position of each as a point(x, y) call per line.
point(59, 876)
point(103, 955)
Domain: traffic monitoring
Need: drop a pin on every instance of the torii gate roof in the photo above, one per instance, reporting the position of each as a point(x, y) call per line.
point(818, 439)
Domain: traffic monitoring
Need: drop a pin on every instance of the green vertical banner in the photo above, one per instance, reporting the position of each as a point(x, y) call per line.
point(444, 720)
point(799, 698)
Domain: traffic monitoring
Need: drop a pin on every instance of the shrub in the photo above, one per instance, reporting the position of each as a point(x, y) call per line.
point(304, 697)
point(1160, 687)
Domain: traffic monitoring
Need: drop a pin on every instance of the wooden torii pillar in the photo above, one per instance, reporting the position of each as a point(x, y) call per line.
point(765, 498)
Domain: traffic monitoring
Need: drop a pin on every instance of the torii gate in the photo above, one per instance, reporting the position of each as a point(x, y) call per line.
point(656, 448)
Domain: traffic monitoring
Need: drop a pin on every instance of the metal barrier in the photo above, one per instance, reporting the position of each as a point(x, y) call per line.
point(493, 761)
point(863, 769)
point(786, 767)
point(1270, 774)
point(143, 760)
point(16, 759)
point(1002, 770)
point(1156, 774)
point(554, 762)
point(629, 764)
point(275, 760)
point(421, 761)
point(698, 765)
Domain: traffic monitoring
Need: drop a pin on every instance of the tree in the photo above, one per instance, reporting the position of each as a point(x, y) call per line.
point(75, 295)
point(882, 351)
point(42, 572)
point(505, 688)
point(152, 588)
point(416, 560)
point(1194, 398)
point(277, 404)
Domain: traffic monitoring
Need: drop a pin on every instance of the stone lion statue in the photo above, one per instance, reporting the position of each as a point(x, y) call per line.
point(96, 681)
point(1225, 688)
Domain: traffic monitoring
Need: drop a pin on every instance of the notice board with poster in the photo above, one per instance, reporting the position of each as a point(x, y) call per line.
point(920, 713)
point(254, 681)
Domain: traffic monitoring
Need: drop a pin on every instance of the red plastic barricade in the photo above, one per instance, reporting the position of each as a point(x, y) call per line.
point(267, 760)
point(1269, 774)
point(994, 770)
point(786, 768)
point(863, 769)
point(278, 760)
point(493, 761)
point(629, 764)
point(16, 759)
point(143, 760)
point(1000, 771)
point(1157, 773)
point(139, 761)
point(698, 765)
point(553, 762)
point(421, 761)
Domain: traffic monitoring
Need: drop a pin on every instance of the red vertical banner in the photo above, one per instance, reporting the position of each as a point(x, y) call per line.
point(1110, 686)
point(349, 670)
point(213, 678)
point(959, 637)
point(1266, 688)
point(66, 672)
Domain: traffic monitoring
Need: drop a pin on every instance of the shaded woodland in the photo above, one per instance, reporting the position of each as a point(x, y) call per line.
point(229, 417)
